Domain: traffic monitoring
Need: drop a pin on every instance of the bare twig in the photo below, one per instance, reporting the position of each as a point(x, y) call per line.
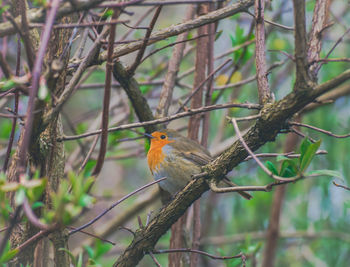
point(284, 27)
point(137, 23)
point(337, 43)
point(287, 155)
point(188, 250)
point(319, 130)
point(14, 121)
point(6, 69)
point(154, 259)
point(342, 186)
point(36, 73)
point(93, 235)
point(163, 3)
point(163, 120)
point(241, 237)
point(106, 98)
point(114, 205)
point(195, 90)
point(25, 30)
point(9, 229)
point(33, 219)
point(172, 44)
point(71, 87)
point(88, 155)
point(180, 28)
point(265, 169)
point(80, 25)
point(173, 68)
point(139, 56)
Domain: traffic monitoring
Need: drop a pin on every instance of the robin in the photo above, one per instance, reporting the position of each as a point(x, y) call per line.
point(177, 158)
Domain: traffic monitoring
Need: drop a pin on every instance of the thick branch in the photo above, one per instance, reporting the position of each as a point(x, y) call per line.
point(131, 88)
point(273, 118)
point(300, 46)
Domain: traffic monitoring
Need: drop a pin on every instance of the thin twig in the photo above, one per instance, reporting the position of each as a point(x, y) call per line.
point(287, 155)
point(337, 42)
point(194, 91)
point(33, 219)
point(114, 205)
point(71, 87)
point(139, 56)
point(9, 229)
point(36, 74)
point(14, 121)
point(198, 252)
point(251, 153)
point(182, 27)
point(80, 25)
point(166, 93)
point(33, 239)
point(319, 130)
point(172, 44)
point(163, 3)
point(93, 235)
point(163, 120)
point(342, 186)
point(106, 99)
point(25, 30)
point(137, 23)
point(154, 259)
point(273, 23)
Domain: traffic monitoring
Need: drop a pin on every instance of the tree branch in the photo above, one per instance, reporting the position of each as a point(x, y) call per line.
point(265, 129)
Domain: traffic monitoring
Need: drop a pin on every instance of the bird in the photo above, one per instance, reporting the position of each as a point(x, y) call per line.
point(177, 158)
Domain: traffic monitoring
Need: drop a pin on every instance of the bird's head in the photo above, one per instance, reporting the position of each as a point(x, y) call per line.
point(162, 138)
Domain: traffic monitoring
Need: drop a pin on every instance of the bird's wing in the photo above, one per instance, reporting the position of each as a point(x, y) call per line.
point(196, 157)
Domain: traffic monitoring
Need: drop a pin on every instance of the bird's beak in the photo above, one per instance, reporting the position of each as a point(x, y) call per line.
point(148, 135)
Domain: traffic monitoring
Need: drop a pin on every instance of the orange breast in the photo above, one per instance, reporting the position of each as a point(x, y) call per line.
point(155, 157)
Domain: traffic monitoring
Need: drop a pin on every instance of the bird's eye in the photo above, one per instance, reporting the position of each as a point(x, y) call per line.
point(162, 136)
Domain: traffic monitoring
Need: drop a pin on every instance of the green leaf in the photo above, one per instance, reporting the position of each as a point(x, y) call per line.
point(37, 204)
point(86, 200)
point(108, 13)
point(218, 34)
point(308, 155)
point(101, 248)
point(145, 89)
point(8, 254)
point(4, 8)
point(289, 168)
point(89, 251)
point(331, 173)
point(303, 147)
point(281, 158)
point(271, 167)
point(7, 85)
point(8, 187)
point(19, 197)
point(80, 260)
